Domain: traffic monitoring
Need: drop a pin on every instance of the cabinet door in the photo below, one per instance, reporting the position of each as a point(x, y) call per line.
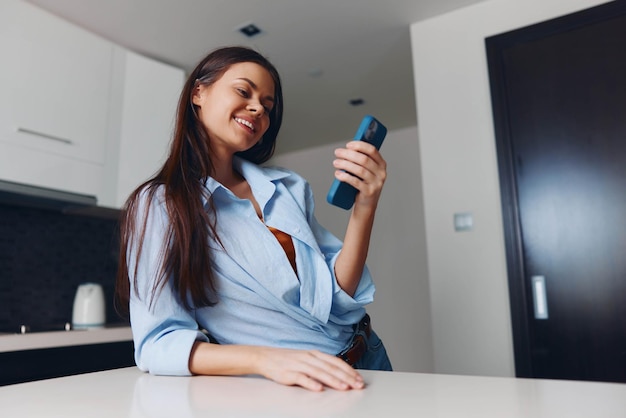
point(54, 84)
point(148, 101)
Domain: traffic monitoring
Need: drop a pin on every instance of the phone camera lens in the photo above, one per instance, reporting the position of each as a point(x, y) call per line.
point(371, 130)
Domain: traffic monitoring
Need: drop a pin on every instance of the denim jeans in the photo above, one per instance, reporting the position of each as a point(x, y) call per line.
point(375, 358)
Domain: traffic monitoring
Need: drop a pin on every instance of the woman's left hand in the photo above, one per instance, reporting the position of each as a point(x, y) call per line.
point(361, 165)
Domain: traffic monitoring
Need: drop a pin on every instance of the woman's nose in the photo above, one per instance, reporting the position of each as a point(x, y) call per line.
point(256, 108)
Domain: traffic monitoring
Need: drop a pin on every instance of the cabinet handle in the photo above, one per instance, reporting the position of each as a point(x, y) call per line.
point(539, 297)
point(43, 135)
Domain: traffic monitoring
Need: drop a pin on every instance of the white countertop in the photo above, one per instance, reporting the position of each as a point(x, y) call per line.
point(130, 393)
point(37, 340)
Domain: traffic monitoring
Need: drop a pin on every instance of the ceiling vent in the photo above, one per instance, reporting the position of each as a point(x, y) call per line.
point(250, 30)
point(357, 102)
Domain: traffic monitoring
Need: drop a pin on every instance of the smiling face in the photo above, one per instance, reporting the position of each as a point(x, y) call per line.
point(235, 109)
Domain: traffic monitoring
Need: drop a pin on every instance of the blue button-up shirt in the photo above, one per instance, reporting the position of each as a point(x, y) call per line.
point(261, 300)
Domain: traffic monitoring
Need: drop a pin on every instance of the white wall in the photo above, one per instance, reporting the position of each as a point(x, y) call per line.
point(467, 270)
point(397, 258)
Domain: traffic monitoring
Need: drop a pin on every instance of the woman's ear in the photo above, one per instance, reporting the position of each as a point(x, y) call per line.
point(196, 97)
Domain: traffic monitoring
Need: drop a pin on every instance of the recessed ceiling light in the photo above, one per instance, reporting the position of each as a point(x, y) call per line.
point(250, 30)
point(315, 72)
point(357, 102)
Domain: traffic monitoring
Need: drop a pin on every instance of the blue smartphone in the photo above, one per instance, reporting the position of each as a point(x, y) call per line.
point(372, 131)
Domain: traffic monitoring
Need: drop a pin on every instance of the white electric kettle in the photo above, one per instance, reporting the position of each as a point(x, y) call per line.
point(89, 308)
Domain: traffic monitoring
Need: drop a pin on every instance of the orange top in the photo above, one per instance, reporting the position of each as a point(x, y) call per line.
point(285, 241)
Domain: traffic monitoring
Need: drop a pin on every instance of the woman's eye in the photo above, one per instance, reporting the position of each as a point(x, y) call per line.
point(243, 92)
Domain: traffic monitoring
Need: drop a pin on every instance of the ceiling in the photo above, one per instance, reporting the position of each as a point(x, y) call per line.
point(328, 52)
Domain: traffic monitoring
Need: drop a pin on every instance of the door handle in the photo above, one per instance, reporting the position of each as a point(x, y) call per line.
point(540, 299)
point(45, 135)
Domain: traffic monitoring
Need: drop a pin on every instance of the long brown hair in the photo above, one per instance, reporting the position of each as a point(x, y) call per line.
point(186, 252)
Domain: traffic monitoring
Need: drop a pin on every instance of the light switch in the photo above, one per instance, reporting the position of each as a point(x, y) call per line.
point(463, 221)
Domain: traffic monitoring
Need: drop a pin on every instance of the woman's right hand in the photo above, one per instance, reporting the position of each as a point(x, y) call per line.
point(310, 369)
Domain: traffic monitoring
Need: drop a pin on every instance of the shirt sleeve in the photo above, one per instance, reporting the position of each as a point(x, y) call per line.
point(163, 330)
point(345, 308)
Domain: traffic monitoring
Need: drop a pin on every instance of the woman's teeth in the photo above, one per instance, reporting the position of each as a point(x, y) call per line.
point(245, 122)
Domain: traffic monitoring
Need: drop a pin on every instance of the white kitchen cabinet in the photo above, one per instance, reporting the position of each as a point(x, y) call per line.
point(146, 91)
point(25, 165)
point(77, 112)
point(55, 82)
point(56, 79)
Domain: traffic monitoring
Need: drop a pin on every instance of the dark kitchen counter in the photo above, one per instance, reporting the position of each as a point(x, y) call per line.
point(43, 355)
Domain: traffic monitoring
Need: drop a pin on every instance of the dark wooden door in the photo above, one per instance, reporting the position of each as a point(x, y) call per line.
point(562, 98)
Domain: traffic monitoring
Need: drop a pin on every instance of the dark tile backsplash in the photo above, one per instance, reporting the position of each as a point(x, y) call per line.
point(44, 256)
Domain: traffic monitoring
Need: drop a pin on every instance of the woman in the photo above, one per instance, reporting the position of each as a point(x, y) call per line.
point(223, 266)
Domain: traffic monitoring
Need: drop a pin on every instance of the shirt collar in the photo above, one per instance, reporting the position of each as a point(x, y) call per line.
point(260, 178)
point(251, 171)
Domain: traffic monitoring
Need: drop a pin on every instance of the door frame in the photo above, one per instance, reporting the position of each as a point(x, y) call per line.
point(519, 291)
